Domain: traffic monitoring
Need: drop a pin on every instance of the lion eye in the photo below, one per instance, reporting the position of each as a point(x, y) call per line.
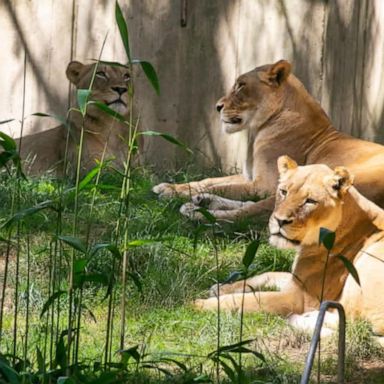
point(101, 75)
point(126, 77)
point(283, 192)
point(310, 201)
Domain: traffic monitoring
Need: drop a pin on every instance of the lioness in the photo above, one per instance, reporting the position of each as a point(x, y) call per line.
point(46, 149)
point(280, 117)
point(308, 198)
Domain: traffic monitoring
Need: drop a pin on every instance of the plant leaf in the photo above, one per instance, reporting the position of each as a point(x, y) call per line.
point(81, 278)
point(109, 111)
point(7, 142)
point(210, 218)
point(60, 119)
point(9, 373)
point(88, 177)
point(136, 280)
point(27, 212)
point(123, 29)
point(6, 121)
point(167, 137)
point(130, 352)
point(79, 265)
point(231, 347)
point(150, 72)
point(350, 267)
point(51, 300)
point(61, 351)
point(250, 253)
point(82, 98)
point(40, 361)
point(327, 238)
point(139, 243)
point(108, 246)
point(74, 242)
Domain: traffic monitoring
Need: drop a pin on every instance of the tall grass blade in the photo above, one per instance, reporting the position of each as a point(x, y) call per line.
point(50, 301)
point(167, 137)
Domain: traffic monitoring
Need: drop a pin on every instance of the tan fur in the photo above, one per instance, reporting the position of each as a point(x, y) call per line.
point(308, 198)
point(45, 150)
point(280, 117)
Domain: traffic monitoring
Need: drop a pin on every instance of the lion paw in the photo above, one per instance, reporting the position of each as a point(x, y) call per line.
point(198, 304)
point(190, 210)
point(164, 190)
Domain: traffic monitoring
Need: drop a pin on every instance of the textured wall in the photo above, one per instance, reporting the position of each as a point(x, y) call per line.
point(336, 48)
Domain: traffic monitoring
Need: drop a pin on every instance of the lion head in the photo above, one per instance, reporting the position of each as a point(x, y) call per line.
point(256, 96)
point(110, 84)
point(307, 198)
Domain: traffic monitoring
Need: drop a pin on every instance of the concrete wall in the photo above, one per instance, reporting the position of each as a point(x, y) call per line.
point(336, 48)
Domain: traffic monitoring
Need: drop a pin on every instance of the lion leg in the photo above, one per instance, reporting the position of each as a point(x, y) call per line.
point(166, 190)
point(239, 210)
point(277, 280)
point(282, 303)
point(365, 301)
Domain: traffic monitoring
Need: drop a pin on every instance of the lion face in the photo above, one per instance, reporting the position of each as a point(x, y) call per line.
point(307, 198)
point(255, 98)
point(110, 84)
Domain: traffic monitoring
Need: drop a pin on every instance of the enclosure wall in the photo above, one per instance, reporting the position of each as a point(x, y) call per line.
point(336, 48)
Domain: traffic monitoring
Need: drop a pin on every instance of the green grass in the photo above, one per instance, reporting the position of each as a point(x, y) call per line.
point(171, 271)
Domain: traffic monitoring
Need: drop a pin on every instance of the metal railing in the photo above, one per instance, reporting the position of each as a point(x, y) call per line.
point(325, 305)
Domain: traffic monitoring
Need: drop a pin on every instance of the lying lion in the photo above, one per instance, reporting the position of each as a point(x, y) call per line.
point(101, 131)
point(308, 198)
point(280, 118)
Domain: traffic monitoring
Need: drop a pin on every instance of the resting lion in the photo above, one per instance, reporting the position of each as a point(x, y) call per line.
point(308, 198)
point(46, 150)
point(281, 118)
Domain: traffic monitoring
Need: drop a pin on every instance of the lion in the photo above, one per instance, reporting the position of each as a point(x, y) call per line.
point(280, 118)
point(309, 198)
point(102, 132)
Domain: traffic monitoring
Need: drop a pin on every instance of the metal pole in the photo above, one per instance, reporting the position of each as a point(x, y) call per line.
point(325, 305)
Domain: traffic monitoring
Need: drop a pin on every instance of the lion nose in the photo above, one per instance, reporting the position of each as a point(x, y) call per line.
point(283, 222)
point(219, 106)
point(120, 90)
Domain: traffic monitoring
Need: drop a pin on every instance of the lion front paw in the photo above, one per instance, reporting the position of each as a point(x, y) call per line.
point(205, 304)
point(164, 190)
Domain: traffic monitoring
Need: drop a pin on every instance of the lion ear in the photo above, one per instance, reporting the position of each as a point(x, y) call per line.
point(285, 163)
point(340, 182)
point(73, 71)
point(279, 72)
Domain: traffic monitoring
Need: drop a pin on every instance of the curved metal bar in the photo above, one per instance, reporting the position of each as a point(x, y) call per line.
point(325, 305)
